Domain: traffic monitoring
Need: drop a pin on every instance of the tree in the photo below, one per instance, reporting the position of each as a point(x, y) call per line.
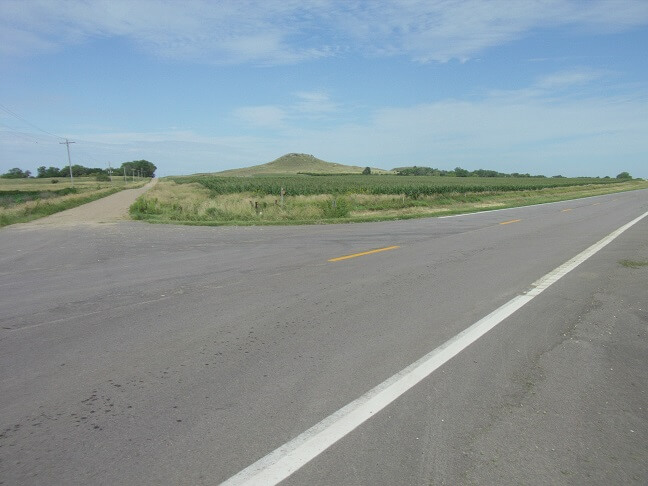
point(459, 172)
point(366, 171)
point(144, 166)
point(15, 173)
point(51, 172)
point(78, 170)
point(487, 173)
point(624, 175)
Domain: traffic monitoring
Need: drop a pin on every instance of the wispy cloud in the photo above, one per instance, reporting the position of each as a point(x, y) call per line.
point(315, 103)
point(199, 30)
point(569, 78)
point(290, 31)
point(307, 106)
point(261, 116)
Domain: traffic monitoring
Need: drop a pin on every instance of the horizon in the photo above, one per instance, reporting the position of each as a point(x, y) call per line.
point(445, 172)
point(545, 88)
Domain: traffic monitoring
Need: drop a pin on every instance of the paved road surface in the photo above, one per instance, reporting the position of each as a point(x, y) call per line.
point(149, 354)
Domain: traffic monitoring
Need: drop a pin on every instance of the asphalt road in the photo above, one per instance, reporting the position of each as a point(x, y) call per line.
point(148, 354)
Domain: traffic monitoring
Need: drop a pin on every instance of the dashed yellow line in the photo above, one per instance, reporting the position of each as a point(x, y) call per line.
point(346, 257)
point(565, 210)
point(512, 221)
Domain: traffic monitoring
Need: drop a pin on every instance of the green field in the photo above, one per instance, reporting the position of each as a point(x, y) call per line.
point(410, 186)
point(215, 200)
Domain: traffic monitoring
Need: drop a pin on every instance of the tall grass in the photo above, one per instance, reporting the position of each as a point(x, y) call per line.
point(196, 203)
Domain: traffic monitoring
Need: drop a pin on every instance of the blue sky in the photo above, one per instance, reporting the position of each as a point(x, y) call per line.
point(545, 87)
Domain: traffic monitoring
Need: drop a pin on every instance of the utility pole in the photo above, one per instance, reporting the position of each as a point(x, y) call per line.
point(67, 143)
point(110, 171)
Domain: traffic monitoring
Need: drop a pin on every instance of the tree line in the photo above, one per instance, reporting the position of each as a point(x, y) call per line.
point(142, 168)
point(456, 172)
point(459, 172)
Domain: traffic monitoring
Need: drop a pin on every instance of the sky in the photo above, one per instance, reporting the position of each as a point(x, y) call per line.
point(542, 87)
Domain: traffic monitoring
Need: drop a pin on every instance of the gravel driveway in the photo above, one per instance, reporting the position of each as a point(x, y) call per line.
point(105, 210)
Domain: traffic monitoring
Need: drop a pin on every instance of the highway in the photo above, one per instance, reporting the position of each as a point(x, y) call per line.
point(133, 353)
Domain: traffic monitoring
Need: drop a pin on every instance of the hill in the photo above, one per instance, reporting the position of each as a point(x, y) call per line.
point(298, 163)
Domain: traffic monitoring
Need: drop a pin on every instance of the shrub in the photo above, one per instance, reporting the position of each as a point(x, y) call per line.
point(336, 208)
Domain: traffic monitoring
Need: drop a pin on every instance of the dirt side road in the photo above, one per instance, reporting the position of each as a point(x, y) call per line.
point(105, 210)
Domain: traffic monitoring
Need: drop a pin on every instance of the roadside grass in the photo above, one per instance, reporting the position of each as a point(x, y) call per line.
point(193, 203)
point(23, 200)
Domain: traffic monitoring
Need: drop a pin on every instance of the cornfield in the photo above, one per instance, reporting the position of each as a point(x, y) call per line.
point(410, 186)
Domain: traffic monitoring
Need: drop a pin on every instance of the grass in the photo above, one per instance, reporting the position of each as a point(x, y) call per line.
point(23, 200)
point(192, 202)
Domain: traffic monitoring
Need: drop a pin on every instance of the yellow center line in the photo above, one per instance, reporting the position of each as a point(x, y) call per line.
point(565, 210)
point(512, 221)
point(346, 257)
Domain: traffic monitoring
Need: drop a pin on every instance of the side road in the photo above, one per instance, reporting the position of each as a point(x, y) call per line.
point(105, 210)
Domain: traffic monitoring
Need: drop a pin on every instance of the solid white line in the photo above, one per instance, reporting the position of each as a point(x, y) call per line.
point(285, 460)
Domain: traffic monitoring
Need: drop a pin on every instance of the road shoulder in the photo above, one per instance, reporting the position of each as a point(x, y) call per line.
point(584, 417)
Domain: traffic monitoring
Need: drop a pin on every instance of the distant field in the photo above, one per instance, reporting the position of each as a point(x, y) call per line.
point(214, 200)
point(410, 186)
point(23, 200)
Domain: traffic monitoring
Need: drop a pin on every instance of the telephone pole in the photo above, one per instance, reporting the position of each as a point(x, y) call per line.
point(67, 143)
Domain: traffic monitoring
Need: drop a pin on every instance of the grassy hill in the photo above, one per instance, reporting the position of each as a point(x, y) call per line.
point(298, 163)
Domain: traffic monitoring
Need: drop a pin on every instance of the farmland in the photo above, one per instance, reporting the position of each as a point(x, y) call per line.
point(213, 199)
point(410, 186)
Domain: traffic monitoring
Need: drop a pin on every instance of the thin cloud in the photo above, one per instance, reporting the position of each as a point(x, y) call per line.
point(290, 31)
point(308, 106)
point(314, 103)
point(566, 79)
point(267, 116)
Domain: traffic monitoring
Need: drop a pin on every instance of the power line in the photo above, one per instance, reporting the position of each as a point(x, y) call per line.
point(14, 114)
point(22, 134)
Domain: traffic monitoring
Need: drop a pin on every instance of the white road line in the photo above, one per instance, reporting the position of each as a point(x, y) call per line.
point(285, 460)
